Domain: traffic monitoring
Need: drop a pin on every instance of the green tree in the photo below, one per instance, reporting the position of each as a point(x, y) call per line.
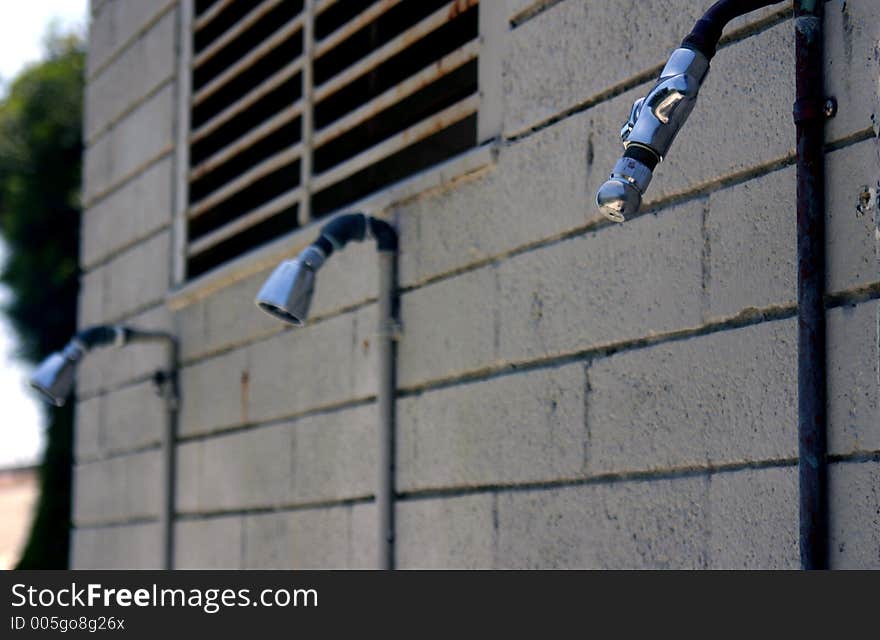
point(40, 167)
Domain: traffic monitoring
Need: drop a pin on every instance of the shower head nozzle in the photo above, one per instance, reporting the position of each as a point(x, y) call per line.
point(621, 196)
point(287, 293)
point(55, 376)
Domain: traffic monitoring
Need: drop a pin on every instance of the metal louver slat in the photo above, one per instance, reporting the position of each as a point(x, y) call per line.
point(395, 46)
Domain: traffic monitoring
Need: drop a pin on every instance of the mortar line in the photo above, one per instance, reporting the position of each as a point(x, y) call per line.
point(274, 422)
point(189, 516)
point(278, 330)
point(114, 524)
point(599, 479)
point(118, 453)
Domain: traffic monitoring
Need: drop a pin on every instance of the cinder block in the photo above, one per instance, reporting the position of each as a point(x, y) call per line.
point(315, 366)
point(720, 398)
point(139, 208)
point(115, 23)
point(853, 378)
point(138, 278)
point(449, 327)
point(316, 459)
point(334, 456)
point(214, 393)
point(134, 417)
point(140, 68)
point(854, 490)
point(88, 429)
point(752, 239)
point(212, 543)
point(851, 65)
point(132, 281)
point(349, 278)
point(445, 533)
point(267, 542)
point(851, 243)
point(544, 70)
point(309, 539)
point(119, 547)
point(225, 319)
point(621, 282)
point(90, 309)
point(110, 367)
point(139, 138)
point(118, 489)
point(753, 519)
point(187, 478)
point(363, 545)
point(238, 471)
point(658, 524)
point(516, 428)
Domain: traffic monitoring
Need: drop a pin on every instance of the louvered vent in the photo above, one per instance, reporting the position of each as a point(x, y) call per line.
point(301, 108)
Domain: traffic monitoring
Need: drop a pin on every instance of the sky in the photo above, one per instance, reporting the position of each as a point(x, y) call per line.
point(23, 25)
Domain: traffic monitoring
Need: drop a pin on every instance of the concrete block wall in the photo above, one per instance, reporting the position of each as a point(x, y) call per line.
point(126, 264)
point(572, 393)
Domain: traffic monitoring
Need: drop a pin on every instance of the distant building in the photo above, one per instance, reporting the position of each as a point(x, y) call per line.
point(19, 488)
point(572, 393)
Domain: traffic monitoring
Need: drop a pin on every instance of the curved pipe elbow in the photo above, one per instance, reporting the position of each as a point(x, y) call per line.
point(355, 227)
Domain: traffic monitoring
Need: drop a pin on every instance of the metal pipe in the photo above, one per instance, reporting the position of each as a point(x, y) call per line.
point(55, 378)
point(385, 402)
point(168, 389)
point(287, 295)
point(809, 116)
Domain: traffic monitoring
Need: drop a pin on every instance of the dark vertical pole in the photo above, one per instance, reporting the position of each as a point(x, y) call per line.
point(386, 402)
point(809, 120)
point(169, 451)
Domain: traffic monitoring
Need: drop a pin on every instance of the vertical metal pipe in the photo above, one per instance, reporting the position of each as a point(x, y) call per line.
point(169, 471)
point(812, 446)
point(166, 386)
point(385, 400)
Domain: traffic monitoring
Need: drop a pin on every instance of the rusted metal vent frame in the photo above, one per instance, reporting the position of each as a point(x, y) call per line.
point(252, 151)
